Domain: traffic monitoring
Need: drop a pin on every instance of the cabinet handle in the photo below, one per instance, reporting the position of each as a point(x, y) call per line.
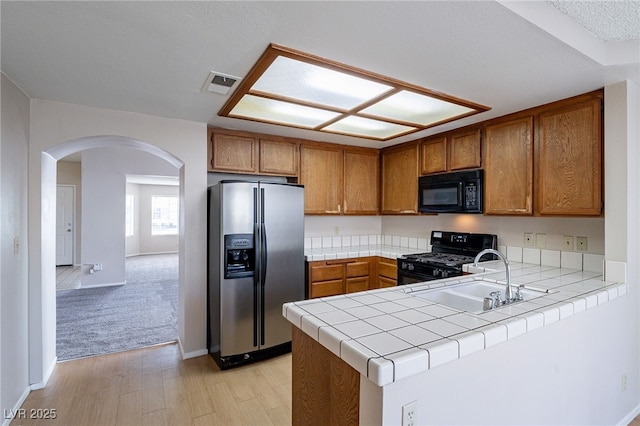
point(339, 208)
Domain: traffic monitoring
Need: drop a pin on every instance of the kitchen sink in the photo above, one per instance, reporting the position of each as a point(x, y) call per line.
point(469, 295)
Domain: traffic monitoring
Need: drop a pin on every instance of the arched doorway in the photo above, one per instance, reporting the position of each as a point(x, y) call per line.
point(48, 175)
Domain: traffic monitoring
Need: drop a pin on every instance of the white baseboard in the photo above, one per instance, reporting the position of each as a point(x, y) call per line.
point(103, 285)
point(193, 354)
point(14, 412)
point(47, 376)
point(629, 417)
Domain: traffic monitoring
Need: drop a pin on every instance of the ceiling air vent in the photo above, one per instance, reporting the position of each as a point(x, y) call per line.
point(218, 82)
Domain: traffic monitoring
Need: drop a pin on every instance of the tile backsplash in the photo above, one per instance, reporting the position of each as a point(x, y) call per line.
point(565, 259)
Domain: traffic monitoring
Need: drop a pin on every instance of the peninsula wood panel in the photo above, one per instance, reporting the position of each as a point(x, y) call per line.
point(508, 167)
point(569, 160)
point(361, 182)
point(325, 389)
point(400, 179)
point(433, 156)
point(234, 153)
point(278, 157)
point(464, 150)
point(321, 175)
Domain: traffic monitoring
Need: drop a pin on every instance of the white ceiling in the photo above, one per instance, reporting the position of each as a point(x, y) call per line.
point(154, 57)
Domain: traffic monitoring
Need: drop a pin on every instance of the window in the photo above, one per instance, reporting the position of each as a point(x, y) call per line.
point(164, 215)
point(129, 216)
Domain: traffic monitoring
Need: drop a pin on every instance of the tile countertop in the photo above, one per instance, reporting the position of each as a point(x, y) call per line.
point(389, 334)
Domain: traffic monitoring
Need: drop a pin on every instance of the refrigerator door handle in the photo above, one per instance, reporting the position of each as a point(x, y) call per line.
point(263, 266)
point(256, 272)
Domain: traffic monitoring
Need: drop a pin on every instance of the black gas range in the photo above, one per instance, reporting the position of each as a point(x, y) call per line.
point(450, 250)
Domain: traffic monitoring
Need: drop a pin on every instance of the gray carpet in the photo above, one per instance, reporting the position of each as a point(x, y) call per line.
point(95, 321)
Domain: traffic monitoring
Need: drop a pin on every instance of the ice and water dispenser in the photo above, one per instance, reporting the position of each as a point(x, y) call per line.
point(239, 256)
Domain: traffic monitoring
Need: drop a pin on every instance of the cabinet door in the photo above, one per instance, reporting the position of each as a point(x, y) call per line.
point(400, 180)
point(569, 160)
point(508, 168)
point(361, 182)
point(433, 156)
point(321, 175)
point(278, 157)
point(387, 272)
point(357, 284)
point(464, 150)
point(233, 153)
point(358, 268)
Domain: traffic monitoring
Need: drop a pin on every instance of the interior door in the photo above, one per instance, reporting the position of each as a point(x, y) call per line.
point(65, 203)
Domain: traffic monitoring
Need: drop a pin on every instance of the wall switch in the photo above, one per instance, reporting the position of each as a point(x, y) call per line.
point(581, 243)
point(97, 267)
point(623, 384)
point(541, 240)
point(567, 242)
point(16, 245)
point(528, 239)
point(409, 412)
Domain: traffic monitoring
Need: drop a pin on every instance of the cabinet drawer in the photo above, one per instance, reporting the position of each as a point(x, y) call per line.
point(357, 284)
point(389, 270)
point(327, 272)
point(357, 269)
point(386, 282)
point(326, 288)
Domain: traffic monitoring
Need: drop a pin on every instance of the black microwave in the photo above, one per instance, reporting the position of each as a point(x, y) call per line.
point(456, 192)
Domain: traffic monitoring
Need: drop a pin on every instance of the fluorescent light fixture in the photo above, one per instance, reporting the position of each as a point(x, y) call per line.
point(270, 110)
point(296, 89)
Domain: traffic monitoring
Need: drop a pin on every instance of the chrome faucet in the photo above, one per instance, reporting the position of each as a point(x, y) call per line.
point(508, 293)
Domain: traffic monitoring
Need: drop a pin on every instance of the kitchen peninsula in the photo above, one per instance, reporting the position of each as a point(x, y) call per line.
point(359, 358)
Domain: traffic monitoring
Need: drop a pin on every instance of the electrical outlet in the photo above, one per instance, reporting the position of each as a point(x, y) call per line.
point(336, 230)
point(581, 243)
point(97, 267)
point(567, 242)
point(541, 240)
point(528, 239)
point(409, 412)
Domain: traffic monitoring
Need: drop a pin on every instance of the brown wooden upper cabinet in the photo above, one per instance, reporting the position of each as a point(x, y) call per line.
point(451, 151)
point(568, 158)
point(400, 166)
point(508, 167)
point(433, 156)
point(240, 152)
point(339, 179)
point(464, 150)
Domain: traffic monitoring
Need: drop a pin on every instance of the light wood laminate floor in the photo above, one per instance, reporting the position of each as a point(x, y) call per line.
point(154, 386)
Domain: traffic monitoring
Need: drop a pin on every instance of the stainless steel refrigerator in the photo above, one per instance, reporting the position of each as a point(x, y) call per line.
point(256, 264)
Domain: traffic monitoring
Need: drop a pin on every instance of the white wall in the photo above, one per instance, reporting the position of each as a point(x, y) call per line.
point(53, 124)
point(132, 242)
point(14, 331)
point(104, 185)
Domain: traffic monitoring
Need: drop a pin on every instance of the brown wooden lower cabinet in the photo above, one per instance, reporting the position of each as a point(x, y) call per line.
point(325, 389)
point(331, 277)
point(387, 272)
